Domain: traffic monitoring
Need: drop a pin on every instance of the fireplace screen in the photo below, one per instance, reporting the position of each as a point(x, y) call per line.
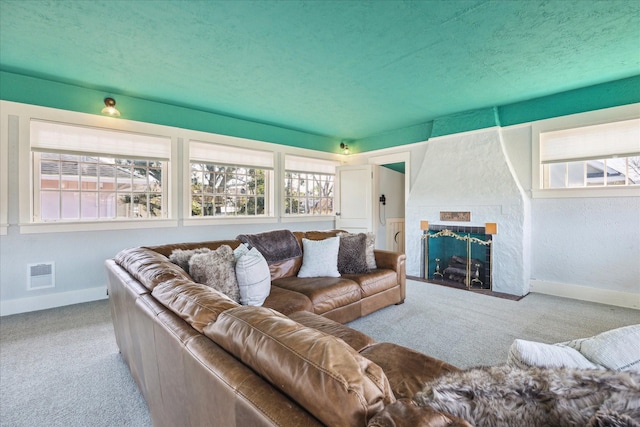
point(461, 257)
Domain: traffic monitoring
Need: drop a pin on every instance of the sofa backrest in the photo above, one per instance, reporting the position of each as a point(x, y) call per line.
point(195, 303)
point(213, 245)
point(320, 372)
point(291, 267)
point(149, 267)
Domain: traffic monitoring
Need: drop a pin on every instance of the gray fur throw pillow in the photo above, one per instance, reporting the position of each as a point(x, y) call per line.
point(216, 269)
point(181, 257)
point(503, 396)
point(352, 256)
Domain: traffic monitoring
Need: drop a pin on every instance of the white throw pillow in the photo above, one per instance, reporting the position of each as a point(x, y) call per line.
point(617, 349)
point(254, 277)
point(524, 354)
point(320, 258)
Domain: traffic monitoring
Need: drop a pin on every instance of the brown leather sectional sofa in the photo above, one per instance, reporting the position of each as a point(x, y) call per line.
point(201, 359)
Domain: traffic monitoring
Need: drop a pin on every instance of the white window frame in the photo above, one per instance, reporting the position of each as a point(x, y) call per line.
point(4, 173)
point(193, 151)
point(307, 164)
point(591, 118)
point(26, 113)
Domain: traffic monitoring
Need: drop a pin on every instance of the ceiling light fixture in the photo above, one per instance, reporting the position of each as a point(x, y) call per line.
point(344, 147)
point(110, 108)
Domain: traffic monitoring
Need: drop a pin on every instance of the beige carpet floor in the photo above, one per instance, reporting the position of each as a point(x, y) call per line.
point(61, 367)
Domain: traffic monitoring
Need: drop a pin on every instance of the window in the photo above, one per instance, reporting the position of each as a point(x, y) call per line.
point(73, 187)
point(92, 174)
point(308, 186)
point(592, 173)
point(598, 156)
point(229, 181)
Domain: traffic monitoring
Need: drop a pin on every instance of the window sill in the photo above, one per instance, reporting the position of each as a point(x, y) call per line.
point(308, 218)
point(195, 222)
point(560, 193)
point(66, 227)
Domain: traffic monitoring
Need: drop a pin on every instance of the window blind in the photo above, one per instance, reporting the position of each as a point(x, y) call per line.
point(74, 139)
point(228, 155)
point(308, 164)
point(617, 139)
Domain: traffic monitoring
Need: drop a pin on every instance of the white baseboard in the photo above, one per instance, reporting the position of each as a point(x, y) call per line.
point(43, 302)
point(586, 293)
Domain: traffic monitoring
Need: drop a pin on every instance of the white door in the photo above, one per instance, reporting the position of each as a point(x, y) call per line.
point(354, 198)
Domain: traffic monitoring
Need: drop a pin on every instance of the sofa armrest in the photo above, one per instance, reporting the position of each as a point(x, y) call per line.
point(405, 412)
point(395, 261)
point(407, 370)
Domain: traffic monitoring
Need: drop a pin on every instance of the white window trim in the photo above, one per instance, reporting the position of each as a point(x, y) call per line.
point(207, 138)
point(4, 173)
point(26, 113)
point(178, 172)
point(608, 115)
point(305, 217)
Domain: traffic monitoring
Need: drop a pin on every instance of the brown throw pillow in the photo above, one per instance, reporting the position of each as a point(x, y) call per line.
point(352, 255)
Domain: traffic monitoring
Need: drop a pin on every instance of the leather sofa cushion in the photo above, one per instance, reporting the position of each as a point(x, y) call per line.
point(286, 268)
point(286, 301)
point(325, 293)
point(197, 304)
point(374, 281)
point(319, 371)
point(406, 369)
point(356, 339)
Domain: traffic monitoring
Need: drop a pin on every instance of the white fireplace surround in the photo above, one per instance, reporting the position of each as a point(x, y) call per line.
point(471, 172)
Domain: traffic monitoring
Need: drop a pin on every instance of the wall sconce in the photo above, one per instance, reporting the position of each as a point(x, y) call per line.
point(344, 147)
point(110, 108)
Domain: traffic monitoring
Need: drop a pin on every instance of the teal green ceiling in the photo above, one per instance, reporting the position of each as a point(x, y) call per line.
point(329, 70)
point(398, 167)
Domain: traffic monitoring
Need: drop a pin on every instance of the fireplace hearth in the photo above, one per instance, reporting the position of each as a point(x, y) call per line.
point(457, 255)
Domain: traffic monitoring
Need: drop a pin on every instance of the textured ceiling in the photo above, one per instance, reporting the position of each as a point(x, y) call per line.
point(347, 69)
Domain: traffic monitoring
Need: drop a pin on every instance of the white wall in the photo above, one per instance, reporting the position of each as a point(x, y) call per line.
point(592, 242)
point(580, 247)
point(79, 255)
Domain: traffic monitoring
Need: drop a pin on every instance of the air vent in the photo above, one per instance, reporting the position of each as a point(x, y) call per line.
point(40, 276)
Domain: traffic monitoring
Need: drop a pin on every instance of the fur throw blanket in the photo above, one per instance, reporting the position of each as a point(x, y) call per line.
point(504, 396)
point(275, 246)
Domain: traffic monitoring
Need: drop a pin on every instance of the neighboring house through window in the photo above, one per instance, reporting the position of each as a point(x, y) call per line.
point(581, 159)
point(600, 155)
point(91, 174)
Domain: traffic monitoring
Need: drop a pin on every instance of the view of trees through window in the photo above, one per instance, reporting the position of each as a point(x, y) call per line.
point(308, 193)
point(79, 187)
point(218, 190)
point(619, 171)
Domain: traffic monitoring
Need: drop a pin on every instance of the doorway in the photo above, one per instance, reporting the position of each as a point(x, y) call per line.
point(391, 192)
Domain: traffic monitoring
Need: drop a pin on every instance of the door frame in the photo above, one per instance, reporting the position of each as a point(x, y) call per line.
point(384, 159)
